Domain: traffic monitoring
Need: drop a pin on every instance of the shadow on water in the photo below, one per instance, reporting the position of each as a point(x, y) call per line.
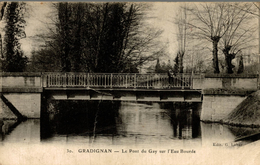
point(27, 131)
point(82, 118)
point(125, 122)
point(184, 118)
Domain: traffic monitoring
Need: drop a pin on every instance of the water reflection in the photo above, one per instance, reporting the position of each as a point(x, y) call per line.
point(16, 131)
point(121, 123)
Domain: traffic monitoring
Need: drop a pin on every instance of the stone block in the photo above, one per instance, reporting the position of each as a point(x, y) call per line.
point(128, 98)
point(206, 114)
point(218, 117)
point(149, 99)
point(28, 104)
point(220, 108)
point(212, 83)
point(5, 112)
point(208, 98)
point(100, 97)
point(206, 104)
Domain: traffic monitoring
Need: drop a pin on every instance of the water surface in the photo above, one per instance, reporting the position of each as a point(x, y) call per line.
point(121, 124)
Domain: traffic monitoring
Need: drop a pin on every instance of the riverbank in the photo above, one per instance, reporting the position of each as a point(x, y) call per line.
point(246, 113)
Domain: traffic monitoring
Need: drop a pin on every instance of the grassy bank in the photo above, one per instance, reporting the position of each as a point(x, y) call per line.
point(247, 113)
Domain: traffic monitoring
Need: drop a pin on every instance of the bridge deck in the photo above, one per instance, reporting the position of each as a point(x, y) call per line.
point(120, 89)
point(125, 94)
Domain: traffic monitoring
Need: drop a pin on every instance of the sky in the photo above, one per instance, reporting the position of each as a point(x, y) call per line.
point(35, 24)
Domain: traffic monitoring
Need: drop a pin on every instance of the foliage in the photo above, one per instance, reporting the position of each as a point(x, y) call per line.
point(44, 60)
point(14, 60)
point(162, 67)
point(101, 37)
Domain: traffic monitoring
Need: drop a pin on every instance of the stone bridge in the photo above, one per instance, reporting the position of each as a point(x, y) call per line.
point(219, 94)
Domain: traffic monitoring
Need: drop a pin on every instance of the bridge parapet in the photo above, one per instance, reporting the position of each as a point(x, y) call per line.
point(223, 81)
point(117, 80)
point(20, 82)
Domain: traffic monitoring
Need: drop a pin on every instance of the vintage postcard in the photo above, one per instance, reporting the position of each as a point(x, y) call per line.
point(129, 83)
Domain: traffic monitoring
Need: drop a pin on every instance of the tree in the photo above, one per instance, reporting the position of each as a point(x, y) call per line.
point(102, 37)
point(44, 60)
point(210, 22)
point(240, 34)
point(176, 65)
point(14, 60)
point(158, 66)
point(181, 22)
point(1, 18)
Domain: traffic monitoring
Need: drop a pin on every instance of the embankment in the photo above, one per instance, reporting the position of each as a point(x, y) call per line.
point(247, 113)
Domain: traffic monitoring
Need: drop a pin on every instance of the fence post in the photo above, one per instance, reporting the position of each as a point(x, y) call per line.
point(88, 80)
point(183, 81)
point(84, 80)
point(44, 80)
point(111, 86)
point(126, 81)
point(135, 81)
point(105, 80)
point(64, 80)
point(147, 81)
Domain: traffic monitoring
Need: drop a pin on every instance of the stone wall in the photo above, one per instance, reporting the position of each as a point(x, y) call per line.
point(28, 104)
point(23, 91)
point(5, 111)
point(217, 107)
point(26, 80)
point(222, 93)
point(249, 82)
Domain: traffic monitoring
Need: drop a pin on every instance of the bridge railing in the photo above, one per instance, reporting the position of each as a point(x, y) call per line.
point(117, 80)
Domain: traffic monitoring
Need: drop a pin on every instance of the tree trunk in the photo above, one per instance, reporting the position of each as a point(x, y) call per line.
point(215, 41)
point(228, 59)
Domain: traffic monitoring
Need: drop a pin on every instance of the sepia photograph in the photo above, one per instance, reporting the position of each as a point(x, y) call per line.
point(129, 83)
